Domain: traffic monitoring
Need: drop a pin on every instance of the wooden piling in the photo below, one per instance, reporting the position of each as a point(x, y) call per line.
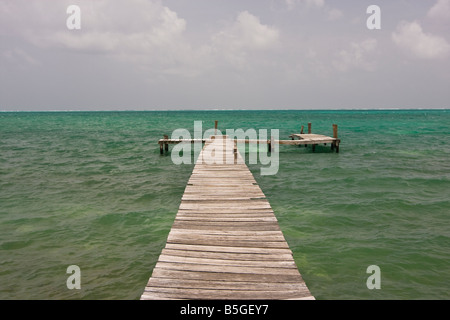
point(166, 144)
point(335, 144)
point(309, 127)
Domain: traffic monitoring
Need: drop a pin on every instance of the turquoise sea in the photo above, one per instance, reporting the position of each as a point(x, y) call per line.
point(91, 189)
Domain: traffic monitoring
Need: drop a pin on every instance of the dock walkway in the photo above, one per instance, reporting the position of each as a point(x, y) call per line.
point(225, 242)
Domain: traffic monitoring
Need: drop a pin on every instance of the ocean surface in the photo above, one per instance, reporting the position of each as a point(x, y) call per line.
point(91, 189)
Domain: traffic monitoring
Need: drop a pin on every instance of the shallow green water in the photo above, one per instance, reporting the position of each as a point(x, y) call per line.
point(91, 189)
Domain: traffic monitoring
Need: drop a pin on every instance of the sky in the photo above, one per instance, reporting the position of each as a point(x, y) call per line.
point(224, 54)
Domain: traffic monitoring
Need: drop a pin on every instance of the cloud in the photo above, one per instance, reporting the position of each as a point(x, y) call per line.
point(312, 3)
point(244, 36)
point(331, 13)
point(410, 37)
point(105, 25)
point(248, 32)
point(334, 14)
point(291, 4)
point(146, 34)
point(440, 11)
point(356, 56)
point(141, 27)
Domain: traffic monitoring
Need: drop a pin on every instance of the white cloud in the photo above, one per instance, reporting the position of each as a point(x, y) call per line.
point(146, 34)
point(106, 26)
point(248, 32)
point(356, 56)
point(141, 27)
point(310, 3)
point(245, 35)
point(440, 11)
point(410, 37)
point(331, 13)
point(334, 14)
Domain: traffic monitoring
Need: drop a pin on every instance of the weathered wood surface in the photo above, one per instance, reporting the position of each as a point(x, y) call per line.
point(305, 140)
point(225, 242)
point(309, 139)
point(314, 139)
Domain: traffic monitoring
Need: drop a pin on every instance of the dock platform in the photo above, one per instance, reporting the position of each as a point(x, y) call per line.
point(297, 139)
point(225, 242)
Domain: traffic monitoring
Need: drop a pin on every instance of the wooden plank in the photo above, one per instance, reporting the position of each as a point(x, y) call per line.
point(256, 226)
point(256, 218)
point(221, 167)
point(222, 188)
point(228, 242)
point(224, 235)
point(248, 187)
point(225, 180)
point(228, 256)
point(229, 233)
point(225, 269)
point(224, 285)
point(217, 191)
point(221, 262)
point(213, 174)
point(201, 179)
point(223, 249)
point(208, 192)
point(243, 293)
point(225, 276)
point(211, 194)
point(164, 293)
point(311, 136)
point(223, 194)
point(229, 216)
point(249, 205)
point(232, 243)
point(174, 141)
point(222, 198)
point(185, 235)
point(222, 211)
point(189, 224)
point(307, 141)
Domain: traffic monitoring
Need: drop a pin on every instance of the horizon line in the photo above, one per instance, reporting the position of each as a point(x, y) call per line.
point(218, 109)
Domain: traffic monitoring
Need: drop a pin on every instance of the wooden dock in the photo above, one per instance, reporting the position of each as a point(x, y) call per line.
point(315, 139)
point(225, 242)
point(297, 139)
